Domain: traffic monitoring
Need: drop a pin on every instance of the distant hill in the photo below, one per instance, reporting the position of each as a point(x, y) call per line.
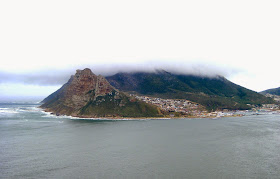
point(273, 91)
point(88, 95)
point(213, 93)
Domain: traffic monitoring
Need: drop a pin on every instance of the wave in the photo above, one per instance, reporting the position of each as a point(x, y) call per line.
point(50, 115)
point(8, 111)
point(35, 109)
point(47, 121)
point(15, 110)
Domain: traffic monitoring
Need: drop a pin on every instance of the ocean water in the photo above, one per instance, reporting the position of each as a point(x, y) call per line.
point(34, 144)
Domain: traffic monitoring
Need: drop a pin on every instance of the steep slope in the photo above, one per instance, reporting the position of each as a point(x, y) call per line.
point(273, 91)
point(88, 95)
point(213, 93)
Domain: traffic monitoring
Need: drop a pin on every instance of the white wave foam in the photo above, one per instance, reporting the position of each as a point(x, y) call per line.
point(4, 108)
point(28, 109)
point(48, 121)
point(16, 110)
point(50, 115)
point(8, 111)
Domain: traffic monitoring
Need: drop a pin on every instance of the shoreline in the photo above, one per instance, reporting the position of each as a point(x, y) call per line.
point(51, 113)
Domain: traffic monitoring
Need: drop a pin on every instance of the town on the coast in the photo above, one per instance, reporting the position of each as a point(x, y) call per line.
point(87, 95)
point(183, 107)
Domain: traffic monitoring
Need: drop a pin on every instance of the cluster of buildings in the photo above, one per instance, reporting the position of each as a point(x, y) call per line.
point(275, 97)
point(270, 106)
point(183, 106)
point(189, 108)
point(174, 105)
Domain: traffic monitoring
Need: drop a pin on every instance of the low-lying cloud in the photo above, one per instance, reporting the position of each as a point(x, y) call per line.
point(49, 77)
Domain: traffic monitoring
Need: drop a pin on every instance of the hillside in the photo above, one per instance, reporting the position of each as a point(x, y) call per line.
point(88, 95)
point(273, 91)
point(213, 93)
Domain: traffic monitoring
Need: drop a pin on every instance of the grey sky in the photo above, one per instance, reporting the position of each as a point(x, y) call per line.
point(42, 42)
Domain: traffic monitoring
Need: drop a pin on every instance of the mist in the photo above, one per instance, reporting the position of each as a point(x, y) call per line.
point(54, 77)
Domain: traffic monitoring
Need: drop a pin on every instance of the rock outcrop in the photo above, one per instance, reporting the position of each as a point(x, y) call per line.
point(89, 95)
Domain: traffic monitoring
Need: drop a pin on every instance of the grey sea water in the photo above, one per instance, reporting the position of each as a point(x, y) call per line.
point(34, 144)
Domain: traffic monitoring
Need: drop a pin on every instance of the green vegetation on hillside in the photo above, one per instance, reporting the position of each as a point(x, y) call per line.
point(213, 93)
point(274, 91)
point(111, 105)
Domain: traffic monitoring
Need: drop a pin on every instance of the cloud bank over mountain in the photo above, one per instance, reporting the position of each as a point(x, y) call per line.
point(55, 76)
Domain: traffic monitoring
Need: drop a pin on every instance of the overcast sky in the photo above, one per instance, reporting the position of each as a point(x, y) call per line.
point(43, 42)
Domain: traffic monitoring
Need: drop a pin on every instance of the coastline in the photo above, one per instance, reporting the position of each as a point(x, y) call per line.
point(52, 113)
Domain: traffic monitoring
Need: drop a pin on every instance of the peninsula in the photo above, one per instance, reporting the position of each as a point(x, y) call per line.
point(149, 95)
point(87, 95)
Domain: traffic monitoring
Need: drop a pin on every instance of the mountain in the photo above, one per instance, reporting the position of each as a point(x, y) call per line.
point(273, 91)
point(88, 95)
point(213, 93)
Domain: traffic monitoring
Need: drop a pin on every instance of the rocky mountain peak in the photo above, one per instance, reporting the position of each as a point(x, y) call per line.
point(82, 82)
point(103, 87)
point(83, 87)
point(84, 72)
point(88, 95)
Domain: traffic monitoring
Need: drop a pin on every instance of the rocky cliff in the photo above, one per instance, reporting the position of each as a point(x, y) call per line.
point(89, 95)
